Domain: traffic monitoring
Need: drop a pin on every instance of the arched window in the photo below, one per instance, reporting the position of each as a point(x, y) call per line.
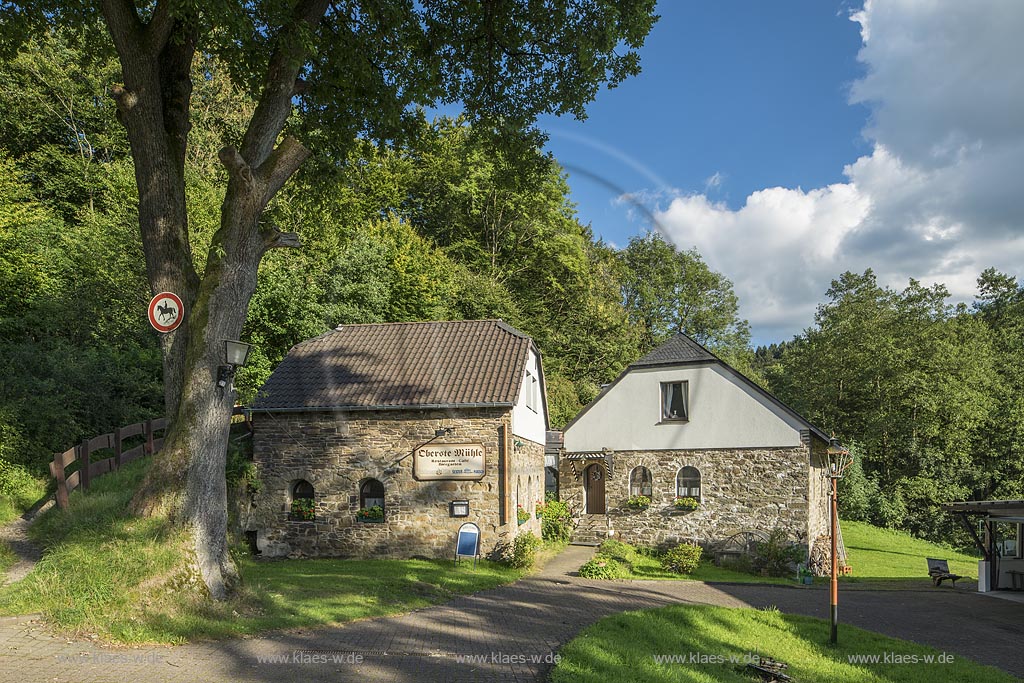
point(640, 482)
point(688, 483)
point(371, 494)
point(302, 489)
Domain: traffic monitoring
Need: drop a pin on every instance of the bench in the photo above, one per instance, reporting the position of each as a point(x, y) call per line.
point(938, 570)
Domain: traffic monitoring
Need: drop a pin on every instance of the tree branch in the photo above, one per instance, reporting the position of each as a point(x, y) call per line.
point(280, 165)
point(274, 239)
point(275, 103)
point(124, 25)
point(235, 164)
point(158, 30)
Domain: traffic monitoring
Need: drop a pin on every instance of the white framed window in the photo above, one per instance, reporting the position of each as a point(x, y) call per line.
point(675, 404)
point(688, 483)
point(532, 394)
point(640, 482)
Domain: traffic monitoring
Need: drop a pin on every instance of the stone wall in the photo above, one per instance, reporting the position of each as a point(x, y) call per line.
point(744, 489)
point(337, 451)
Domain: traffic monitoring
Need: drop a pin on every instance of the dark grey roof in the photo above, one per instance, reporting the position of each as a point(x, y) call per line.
point(401, 365)
point(678, 349)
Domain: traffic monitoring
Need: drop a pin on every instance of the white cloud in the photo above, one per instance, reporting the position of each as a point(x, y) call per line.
point(938, 199)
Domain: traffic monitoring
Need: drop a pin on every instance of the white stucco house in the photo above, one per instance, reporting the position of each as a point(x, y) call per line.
point(681, 423)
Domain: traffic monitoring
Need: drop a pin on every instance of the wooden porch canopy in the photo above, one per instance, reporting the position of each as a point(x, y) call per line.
point(580, 458)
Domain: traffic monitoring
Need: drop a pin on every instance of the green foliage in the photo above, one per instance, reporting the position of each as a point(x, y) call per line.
point(524, 551)
point(924, 388)
point(602, 567)
point(305, 508)
point(638, 502)
point(556, 521)
point(668, 291)
point(682, 559)
point(686, 503)
point(372, 512)
point(777, 556)
point(240, 468)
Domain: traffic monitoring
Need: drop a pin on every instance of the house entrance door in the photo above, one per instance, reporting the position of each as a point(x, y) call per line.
point(594, 485)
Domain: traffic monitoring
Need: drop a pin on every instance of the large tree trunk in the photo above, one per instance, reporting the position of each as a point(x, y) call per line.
point(187, 479)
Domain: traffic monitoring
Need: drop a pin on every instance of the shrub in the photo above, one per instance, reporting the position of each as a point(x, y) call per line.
point(15, 481)
point(686, 503)
point(602, 567)
point(524, 551)
point(638, 502)
point(555, 521)
point(303, 508)
point(682, 559)
point(522, 516)
point(777, 555)
point(372, 512)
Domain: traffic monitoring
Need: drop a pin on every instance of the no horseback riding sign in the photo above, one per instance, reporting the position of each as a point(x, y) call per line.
point(165, 311)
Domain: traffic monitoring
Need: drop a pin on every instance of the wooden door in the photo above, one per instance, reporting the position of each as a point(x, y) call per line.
point(594, 485)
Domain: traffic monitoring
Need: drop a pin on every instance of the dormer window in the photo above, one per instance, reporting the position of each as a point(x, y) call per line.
point(674, 401)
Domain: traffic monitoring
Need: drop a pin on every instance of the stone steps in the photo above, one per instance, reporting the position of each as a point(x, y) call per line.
point(592, 530)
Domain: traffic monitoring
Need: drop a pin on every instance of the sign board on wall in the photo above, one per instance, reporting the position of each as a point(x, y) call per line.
point(463, 461)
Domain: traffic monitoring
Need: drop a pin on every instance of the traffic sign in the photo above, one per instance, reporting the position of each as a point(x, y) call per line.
point(166, 311)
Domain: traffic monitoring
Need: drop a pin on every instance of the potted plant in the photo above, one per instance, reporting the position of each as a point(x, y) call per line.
point(538, 510)
point(686, 503)
point(805, 576)
point(303, 509)
point(638, 502)
point(371, 514)
point(522, 515)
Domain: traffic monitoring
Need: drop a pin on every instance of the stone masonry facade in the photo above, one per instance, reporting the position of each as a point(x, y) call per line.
point(741, 489)
point(337, 451)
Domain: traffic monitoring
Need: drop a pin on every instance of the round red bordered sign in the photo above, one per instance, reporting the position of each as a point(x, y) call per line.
point(166, 311)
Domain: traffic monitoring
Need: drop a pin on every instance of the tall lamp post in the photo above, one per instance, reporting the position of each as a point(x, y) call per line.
point(837, 459)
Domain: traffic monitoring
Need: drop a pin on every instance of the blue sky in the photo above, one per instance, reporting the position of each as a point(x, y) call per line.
point(790, 141)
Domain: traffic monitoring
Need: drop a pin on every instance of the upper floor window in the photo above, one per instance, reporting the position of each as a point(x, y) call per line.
point(530, 387)
point(688, 483)
point(640, 482)
point(674, 401)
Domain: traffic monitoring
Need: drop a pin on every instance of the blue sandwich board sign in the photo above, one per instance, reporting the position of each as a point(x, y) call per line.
point(468, 543)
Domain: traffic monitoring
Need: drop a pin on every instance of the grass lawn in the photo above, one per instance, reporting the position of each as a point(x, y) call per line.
point(640, 565)
point(623, 648)
point(7, 559)
point(125, 579)
point(884, 554)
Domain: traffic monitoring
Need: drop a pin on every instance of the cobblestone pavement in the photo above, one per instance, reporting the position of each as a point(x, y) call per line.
point(513, 630)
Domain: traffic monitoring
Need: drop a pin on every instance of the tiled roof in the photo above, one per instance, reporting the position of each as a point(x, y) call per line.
point(678, 349)
point(401, 365)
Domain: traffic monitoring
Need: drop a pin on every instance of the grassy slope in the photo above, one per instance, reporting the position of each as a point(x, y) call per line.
point(621, 648)
point(886, 554)
point(122, 577)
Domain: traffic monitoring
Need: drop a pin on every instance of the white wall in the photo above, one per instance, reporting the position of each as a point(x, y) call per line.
point(723, 413)
point(526, 422)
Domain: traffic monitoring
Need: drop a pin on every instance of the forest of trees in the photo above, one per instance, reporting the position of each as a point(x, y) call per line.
point(448, 223)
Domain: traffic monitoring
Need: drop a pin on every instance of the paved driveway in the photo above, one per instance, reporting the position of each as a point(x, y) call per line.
point(510, 632)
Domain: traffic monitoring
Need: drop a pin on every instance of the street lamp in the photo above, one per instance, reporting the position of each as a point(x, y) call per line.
point(236, 354)
point(837, 459)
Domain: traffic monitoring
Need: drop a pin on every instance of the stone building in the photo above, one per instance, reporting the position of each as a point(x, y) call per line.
point(398, 434)
point(681, 423)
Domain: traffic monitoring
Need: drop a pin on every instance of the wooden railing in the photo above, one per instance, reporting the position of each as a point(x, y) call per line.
point(89, 468)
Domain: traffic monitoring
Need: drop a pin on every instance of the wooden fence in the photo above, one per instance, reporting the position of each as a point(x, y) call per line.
point(89, 468)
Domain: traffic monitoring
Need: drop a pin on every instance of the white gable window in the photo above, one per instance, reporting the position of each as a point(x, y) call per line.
point(530, 387)
point(674, 402)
